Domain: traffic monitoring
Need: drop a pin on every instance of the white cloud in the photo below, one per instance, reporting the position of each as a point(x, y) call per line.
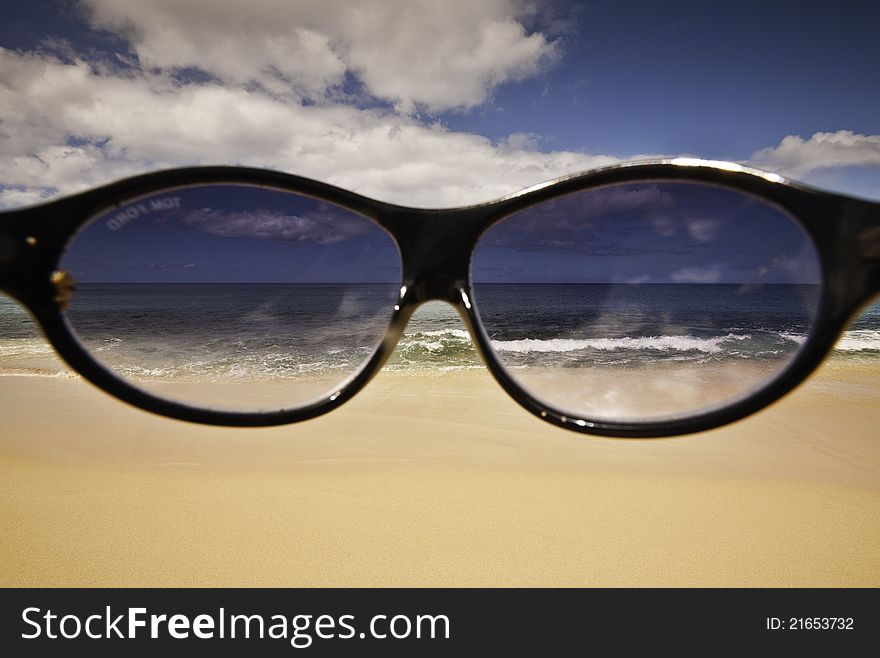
point(276, 100)
point(799, 157)
point(573, 218)
point(324, 225)
point(703, 230)
point(13, 197)
point(707, 274)
point(66, 127)
point(437, 55)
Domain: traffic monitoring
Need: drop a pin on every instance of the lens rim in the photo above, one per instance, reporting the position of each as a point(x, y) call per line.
point(67, 217)
point(549, 407)
point(436, 247)
point(71, 325)
point(832, 222)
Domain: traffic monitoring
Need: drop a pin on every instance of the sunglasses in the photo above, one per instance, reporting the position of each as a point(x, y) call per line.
point(638, 300)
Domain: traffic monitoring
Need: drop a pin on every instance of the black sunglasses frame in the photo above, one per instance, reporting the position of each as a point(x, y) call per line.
point(436, 247)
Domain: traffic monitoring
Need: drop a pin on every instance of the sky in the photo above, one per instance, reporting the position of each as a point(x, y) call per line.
point(232, 234)
point(434, 104)
point(652, 232)
point(658, 232)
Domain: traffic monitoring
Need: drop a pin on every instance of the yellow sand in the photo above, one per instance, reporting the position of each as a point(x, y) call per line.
point(437, 480)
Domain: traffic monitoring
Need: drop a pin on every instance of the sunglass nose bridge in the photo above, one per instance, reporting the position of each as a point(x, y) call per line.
point(437, 287)
point(436, 250)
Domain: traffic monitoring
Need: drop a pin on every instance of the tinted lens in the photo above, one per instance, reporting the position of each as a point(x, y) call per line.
point(648, 301)
point(232, 297)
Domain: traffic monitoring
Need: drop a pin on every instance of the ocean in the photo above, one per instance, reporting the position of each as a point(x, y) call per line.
point(282, 331)
point(321, 333)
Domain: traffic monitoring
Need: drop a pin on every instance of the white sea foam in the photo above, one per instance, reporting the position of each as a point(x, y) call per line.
point(437, 349)
point(456, 333)
point(662, 343)
point(108, 344)
point(24, 347)
point(35, 372)
point(436, 340)
point(800, 339)
point(430, 345)
point(859, 340)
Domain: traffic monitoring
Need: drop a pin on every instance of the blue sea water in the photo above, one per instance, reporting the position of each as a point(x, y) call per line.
point(285, 331)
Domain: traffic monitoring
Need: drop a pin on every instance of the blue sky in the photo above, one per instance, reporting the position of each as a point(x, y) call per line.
point(716, 79)
point(426, 104)
point(652, 232)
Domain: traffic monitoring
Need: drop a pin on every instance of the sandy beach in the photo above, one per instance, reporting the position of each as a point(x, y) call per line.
point(437, 480)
